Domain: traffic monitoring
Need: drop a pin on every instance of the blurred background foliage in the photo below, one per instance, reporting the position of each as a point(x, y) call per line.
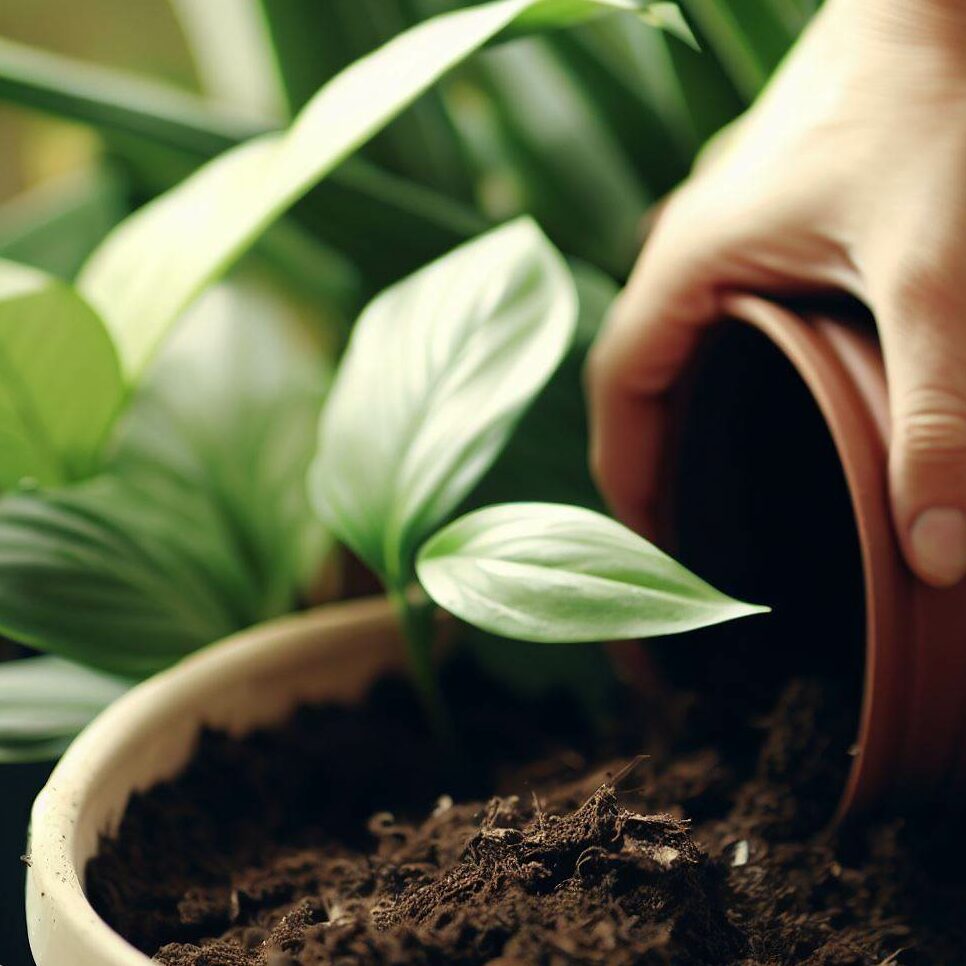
point(105, 103)
point(583, 128)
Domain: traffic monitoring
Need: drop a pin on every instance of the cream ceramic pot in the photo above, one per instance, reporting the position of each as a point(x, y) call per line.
point(253, 679)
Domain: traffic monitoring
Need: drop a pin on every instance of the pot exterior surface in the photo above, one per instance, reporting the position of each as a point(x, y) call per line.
point(253, 679)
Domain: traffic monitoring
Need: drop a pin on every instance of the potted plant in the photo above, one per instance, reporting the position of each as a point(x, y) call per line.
point(438, 374)
point(133, 430)
point(401, 446)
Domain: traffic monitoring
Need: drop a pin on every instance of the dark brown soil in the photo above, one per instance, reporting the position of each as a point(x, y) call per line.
point(345, 838)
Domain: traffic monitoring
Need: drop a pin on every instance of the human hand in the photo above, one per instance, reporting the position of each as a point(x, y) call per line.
point(848, 173)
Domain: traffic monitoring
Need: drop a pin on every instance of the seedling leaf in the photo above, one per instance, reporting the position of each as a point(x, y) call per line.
point(550, 573)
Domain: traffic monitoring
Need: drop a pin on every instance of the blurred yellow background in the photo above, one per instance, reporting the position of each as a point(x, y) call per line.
point(141, 35)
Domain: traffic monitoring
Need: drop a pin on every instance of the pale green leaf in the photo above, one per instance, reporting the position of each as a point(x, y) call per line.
point(232, 405)
point(437, 373)
point(550, 573)
point(546, 457)
point(60, 383)
point(160, 258)
point(104, 573)
point(385, 223)
point(201, 524)
point(45, 701)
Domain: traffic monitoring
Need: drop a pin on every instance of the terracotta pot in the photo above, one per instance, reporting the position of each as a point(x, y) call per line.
point(253, 679)
point(912, 732)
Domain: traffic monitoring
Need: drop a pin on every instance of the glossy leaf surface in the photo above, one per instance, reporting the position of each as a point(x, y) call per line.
point(551, 573)
point(437, 373)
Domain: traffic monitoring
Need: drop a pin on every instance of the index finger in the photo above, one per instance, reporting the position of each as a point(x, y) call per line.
point(645, 343)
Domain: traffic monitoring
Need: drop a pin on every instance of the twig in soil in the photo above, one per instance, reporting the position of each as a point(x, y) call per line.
point(627, 771)
point(894, 958)
point(622, 775)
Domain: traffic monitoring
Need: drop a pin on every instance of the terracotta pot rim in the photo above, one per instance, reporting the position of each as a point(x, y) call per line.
point(912, 727)
point(860, 449)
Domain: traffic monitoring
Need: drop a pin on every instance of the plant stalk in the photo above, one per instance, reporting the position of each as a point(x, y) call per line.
point(419, 632)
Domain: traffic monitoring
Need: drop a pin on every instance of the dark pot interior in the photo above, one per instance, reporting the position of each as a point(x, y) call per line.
point(762, 510)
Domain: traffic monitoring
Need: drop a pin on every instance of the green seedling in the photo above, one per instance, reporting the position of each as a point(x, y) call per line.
point(153, 485)
point(439, 370)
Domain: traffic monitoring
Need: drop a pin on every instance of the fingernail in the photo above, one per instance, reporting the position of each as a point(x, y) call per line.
point(938, 539)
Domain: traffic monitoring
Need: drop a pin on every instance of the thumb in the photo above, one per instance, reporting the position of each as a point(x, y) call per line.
point(923, 328)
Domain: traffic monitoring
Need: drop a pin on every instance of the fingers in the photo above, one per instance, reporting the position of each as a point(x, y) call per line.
point(644, 344)
point(922, 319)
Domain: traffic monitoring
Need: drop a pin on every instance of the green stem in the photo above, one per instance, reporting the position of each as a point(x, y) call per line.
point(419, 631)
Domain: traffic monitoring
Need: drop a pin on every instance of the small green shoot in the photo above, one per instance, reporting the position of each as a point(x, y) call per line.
point(439, 370)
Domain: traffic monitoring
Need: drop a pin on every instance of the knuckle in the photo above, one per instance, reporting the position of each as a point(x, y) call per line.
point(934, 427)
point(608, 359)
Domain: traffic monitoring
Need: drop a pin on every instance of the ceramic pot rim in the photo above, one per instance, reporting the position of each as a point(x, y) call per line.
point(61, 923)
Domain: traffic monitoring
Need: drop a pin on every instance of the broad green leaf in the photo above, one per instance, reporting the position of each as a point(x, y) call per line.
point(550, 573)
point(104, 574)
point(437, 373)
point(277, 54)
point(546, 457)
point(157, 261)
point(232, 406)
point(60, 383)
point(312, 42)
point(45, 701)
point(201, 524)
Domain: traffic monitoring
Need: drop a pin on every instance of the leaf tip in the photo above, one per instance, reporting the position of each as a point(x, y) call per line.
point(670, 18)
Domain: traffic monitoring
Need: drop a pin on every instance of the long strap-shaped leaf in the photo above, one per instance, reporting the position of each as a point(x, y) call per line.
point(44, 703)
point(155, 263)
point(368, 199)
point(749, 36)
